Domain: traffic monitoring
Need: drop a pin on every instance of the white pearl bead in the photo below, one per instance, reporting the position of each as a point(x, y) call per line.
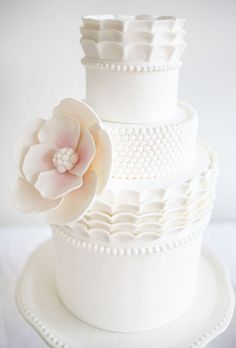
point(64, 159)
point(74, 158)
point(69, 166)
point(147, 152)
point(61, 169)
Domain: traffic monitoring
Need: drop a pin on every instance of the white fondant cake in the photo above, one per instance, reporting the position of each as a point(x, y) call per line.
point(124, 181)
point(131, 262)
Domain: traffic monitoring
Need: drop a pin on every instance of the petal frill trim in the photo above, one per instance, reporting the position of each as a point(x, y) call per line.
point(103, 160)
point(29, 138)
point(86, 152)
point(61, 130)
point(52, 184)
point(38, 159)
point(76, 203)
point(28, 200)
point(80, 111)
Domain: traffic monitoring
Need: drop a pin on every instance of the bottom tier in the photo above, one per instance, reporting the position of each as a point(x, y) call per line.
point(127, 287)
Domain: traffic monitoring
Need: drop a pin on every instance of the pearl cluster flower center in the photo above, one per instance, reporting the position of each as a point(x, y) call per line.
point(64, 159)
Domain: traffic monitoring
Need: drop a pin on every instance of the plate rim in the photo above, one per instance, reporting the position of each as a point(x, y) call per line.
point(52, 341)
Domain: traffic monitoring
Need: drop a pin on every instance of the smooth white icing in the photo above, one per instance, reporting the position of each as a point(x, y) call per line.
point(128, 289)
point(132, 98)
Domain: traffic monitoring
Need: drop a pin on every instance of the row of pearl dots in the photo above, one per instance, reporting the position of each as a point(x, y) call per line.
point(130, 68)
point(149, 152)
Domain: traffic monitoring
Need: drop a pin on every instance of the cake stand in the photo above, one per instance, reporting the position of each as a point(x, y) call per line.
point(208, 316)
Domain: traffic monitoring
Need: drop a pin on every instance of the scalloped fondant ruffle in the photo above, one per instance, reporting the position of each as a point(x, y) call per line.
point(129, 37)
point(154, 221)
point(133, 23)
point(148, 222)
point(125, 232)
point(186, 190)
point(134, 52)
point(149, 212)
point(130, 215)
point(157, 207)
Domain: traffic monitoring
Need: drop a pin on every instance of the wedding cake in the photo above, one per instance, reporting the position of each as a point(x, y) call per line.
point(123, 179)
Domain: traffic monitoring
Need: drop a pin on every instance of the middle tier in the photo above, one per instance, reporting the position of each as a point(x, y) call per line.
point(154, 150)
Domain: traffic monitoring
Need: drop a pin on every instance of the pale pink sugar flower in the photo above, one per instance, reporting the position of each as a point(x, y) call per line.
point(64, 162)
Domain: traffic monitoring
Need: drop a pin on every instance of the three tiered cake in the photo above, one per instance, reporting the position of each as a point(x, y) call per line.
point(127, 249)
point(131, 263)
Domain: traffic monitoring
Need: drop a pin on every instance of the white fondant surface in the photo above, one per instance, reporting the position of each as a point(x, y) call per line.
point(54, 323)
point(213, 306)
point(40, 305)
point(132, 97)
point(133, 292)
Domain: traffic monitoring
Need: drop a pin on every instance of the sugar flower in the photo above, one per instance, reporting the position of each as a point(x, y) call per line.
point(64, 162)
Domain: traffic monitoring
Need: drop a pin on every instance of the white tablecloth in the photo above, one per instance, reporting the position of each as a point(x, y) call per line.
point(16, 243)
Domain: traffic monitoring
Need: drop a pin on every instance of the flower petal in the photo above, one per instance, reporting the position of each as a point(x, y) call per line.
point(26, 140)
point(52, 184)
point(28, 200)
point(80, 111)
point(38, 159)
point(103, 159)
point(76, 203)
point(86, 151)
point(61, 130)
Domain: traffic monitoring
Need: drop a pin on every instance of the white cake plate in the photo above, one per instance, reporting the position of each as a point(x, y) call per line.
point(40, 305)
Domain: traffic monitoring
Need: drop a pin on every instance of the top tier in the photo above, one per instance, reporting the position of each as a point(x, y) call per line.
point(132, 65)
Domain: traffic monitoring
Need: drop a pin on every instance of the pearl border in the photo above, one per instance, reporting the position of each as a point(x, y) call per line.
point(50, 338)
point(43, 330)
point(129, 250)
point(128, 68)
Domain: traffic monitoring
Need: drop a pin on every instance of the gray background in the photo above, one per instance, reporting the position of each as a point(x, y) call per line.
point(40, 64)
